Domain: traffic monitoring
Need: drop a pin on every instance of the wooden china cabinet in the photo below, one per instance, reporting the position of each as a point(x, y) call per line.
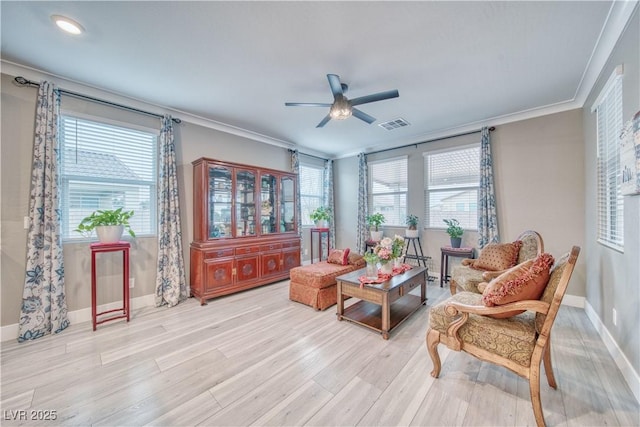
point(245, 232)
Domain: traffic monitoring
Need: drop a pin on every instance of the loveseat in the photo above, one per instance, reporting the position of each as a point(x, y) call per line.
point(315, 284)
point(492, 261)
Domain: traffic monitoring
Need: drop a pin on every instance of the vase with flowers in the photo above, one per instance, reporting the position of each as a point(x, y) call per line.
point(372, 265)
point(397, 248)
point(384, 251)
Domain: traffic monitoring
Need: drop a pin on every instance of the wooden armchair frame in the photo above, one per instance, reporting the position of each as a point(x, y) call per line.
point(488, 275)
point(541, 351)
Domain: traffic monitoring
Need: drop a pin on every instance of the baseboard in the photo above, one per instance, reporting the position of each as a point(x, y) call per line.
point(630, 375)
point(10, 332)
point(573, 301)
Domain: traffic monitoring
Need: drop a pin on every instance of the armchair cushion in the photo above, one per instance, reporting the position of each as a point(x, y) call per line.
point(498, 256)
point(525, 281)
point(339, 256)
point(513, 338)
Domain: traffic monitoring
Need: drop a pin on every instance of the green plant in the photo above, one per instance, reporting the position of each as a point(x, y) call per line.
point(375, 220)
point(322, 213)
point(370, 257)
point(453, 228)
point(105, 217)
point(412, 222)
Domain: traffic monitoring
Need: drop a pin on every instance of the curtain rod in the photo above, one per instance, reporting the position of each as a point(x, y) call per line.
point(24, 82)
point(491, 129)
point(309, 155)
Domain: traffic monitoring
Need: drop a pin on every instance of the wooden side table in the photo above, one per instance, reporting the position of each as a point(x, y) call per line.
point(445, 253)
point(124, 310)
point(319, 232)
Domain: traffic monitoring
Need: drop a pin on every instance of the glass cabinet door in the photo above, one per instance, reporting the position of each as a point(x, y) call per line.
point(245, 203)
point(220, 202)
point(287, 205)
point(268, 185)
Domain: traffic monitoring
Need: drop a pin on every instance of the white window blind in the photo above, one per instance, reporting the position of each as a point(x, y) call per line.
point(311, 193)
point(608, 107)
point(388, 190)
point(107, 167)
point(451, 186)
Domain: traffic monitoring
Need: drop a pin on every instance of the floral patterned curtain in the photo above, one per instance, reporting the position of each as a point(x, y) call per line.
point(44, 304)
point(295, 168)
point(487, 213)
point(171, 285)
point(327, 188)
point(363, 203)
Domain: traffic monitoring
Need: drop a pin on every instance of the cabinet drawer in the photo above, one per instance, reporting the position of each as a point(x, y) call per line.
point(295, 244)
point(271, 247)
point(247, 250)
point(219, 253)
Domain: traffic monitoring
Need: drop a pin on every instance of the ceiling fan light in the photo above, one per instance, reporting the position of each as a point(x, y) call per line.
point(340, 110)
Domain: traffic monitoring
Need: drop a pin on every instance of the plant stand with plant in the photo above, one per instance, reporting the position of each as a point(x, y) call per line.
point(454, 231)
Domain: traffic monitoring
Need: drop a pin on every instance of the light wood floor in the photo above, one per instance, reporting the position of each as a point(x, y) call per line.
point(256, 358)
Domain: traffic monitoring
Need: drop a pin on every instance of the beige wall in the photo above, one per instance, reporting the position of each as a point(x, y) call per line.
point(613, 278)
point(539, 181)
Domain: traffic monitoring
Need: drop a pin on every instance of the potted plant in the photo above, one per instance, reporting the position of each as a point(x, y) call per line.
point(321, 216)
point(375, 220)
point(412, 226)
point(454, 231)
point(109, 225)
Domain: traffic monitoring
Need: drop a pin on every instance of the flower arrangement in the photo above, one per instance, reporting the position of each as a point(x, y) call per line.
point(384, 250)
point(370, 257)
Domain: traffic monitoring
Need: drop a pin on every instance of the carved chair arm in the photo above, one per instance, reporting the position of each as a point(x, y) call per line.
point(455, 308)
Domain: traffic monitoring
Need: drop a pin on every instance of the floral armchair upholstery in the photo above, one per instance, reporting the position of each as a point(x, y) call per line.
point(519, 343)
point(467, 278)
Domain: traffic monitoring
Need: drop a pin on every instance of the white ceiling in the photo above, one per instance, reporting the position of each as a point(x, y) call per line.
point(457, 65)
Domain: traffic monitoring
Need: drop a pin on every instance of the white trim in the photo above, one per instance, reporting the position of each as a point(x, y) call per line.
point(628, 373)
point(387, 159)
point(10, 332)
point(616, 74)
point(573, 301)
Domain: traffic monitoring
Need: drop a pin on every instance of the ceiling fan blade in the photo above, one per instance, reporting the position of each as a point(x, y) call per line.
point(334, 82)
point(375, 97)
point(362, 115)
point(306, 104)
point(324, 121)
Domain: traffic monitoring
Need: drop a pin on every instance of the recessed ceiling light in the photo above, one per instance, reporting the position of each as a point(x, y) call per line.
point(67, 24)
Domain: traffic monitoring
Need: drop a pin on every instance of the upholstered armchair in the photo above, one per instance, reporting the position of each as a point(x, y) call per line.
point(520, 342)
point(471, 272)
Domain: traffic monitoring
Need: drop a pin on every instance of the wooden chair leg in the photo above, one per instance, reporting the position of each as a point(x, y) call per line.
point(548, 369)
point(534, 390)
point(433, 339)
point(453, 287)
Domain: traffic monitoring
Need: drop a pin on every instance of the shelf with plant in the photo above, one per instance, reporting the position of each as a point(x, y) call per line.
point(106, 218)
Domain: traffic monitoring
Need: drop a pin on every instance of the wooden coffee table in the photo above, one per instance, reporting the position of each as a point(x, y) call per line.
point(382, 306)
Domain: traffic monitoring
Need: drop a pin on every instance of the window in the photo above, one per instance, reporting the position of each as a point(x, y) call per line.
point(608, 107)
point(451, 186)
point(311, 178)
point(107, 167)
point(388, 179)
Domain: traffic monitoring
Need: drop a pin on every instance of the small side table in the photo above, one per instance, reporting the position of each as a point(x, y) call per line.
point(319, 232)
point(412, 241)
point(110, 247)
point(369, 245)
point(445, 253)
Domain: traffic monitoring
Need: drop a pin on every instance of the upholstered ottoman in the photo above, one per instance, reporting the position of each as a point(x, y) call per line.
point(315, 284)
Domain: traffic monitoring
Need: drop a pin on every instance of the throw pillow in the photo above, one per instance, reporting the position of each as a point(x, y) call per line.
point(525, 281)
point(339, 256)
point(498, 256)
point(356, 259)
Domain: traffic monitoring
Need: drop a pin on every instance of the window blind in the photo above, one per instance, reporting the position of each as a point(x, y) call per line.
point(451, 186)
point(388, 190)
point(610, 200)
point(311, 193)
point(107, 167)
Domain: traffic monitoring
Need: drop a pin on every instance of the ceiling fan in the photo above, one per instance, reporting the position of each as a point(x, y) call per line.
point(342, 108)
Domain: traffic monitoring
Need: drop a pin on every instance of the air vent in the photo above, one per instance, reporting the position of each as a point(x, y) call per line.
point(394, 124)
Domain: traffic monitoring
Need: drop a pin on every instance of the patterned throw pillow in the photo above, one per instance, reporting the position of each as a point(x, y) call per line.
point(356, 259)
point(498, 256)
point(339, 256)
point(525, 281)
